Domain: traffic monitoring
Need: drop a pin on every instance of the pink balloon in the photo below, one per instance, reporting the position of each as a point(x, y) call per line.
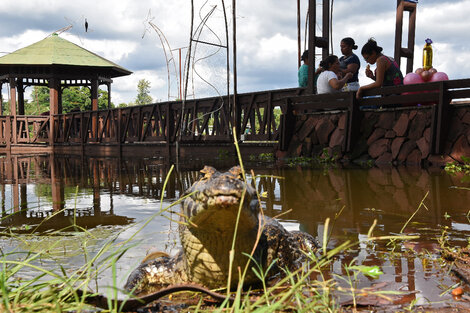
point(439, 76)
point(412, 78)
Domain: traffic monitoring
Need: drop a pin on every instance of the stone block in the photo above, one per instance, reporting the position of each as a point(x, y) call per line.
point(337, 138)
point(342, 121)
point(460, 148)
point(384, 159)
point(385, 120)
point(417, 126)
point(396, 146)
point(379, 147)
point(306, 128)
point(401, 126)
point(414, 158)
point(405, 150)
point(324, 128)
point(390, 134)
point(427, 134)
point(376, 134)
point(423, 146)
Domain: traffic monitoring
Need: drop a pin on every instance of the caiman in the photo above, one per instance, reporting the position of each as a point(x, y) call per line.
point(209, 214)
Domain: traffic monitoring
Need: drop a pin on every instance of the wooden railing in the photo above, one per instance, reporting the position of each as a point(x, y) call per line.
point(199, 120)
point(258, 117)
point(24, 129)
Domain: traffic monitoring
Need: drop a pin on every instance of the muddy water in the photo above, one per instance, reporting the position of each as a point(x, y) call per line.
point(121, 198)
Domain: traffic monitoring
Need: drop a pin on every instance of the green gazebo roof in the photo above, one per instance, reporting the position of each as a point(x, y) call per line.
point(54, 50)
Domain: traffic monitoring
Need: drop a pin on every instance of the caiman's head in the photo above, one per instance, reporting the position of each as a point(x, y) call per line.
point(214, 201)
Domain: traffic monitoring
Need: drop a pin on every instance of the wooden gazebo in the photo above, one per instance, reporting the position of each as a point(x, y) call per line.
point(58, 64)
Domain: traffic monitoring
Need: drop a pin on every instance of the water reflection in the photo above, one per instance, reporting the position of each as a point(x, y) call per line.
point(120, 194)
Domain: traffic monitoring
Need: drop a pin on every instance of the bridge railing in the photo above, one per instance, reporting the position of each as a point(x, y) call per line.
point(23, 129)
point(261, 116)
point(195, 120)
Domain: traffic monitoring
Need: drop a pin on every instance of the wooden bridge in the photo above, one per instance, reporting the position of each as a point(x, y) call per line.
point(263, 121)
point(157, 126)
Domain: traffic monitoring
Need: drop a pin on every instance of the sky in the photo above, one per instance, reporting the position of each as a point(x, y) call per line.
point(130, 33)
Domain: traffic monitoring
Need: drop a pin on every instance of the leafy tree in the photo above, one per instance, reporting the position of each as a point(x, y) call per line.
point(6, 108)
point(143, 90)
point(39, 101)
point(73, 98)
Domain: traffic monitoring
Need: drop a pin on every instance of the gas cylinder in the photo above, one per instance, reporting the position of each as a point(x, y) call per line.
point(427, 55)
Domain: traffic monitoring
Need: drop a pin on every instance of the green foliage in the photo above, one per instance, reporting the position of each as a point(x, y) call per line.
point(455, 168)
point(73, 98)
point(143, 93)
point(6, 108)
point(324, 159)
point(263, 157)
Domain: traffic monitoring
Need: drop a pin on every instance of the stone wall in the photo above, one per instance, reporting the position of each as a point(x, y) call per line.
point(389, 136)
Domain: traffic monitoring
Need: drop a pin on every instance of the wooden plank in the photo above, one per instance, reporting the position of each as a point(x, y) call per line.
point(287, 126)
point(400, 99)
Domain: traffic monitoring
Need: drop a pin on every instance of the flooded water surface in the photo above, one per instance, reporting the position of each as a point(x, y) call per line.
point(119, 199)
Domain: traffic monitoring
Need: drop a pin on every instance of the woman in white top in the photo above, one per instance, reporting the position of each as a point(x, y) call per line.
point(328, 81)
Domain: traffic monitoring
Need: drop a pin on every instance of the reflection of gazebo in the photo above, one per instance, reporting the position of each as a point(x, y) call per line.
point(58, 64)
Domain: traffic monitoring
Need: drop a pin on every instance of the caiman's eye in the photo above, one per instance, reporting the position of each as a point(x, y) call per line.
point(208, 171)
point(236, 171)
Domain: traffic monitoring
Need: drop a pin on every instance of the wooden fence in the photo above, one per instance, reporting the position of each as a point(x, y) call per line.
point(258, 117)
point(199, 120)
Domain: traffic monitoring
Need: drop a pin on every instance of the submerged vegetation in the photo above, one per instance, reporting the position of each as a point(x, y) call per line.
point(454, 168)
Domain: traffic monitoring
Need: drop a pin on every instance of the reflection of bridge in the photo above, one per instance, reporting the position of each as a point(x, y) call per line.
point(313, 195)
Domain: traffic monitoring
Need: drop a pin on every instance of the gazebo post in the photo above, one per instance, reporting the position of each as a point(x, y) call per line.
point(13, 110)
point(1, 100)
point(20, 90)
point(12, 97)
point(94, 105)
point(53, 106)
point(109, 95)
point(59, 99)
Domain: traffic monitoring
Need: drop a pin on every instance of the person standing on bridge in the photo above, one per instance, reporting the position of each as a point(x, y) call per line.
point(387, 72)
point(328, 81)
point(349, 63)
point(303, 71)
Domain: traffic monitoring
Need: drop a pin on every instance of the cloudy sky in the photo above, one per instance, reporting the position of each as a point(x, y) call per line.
point(122, 32)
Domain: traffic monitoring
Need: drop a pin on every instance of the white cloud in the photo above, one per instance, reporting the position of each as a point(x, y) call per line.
point(266, 34)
